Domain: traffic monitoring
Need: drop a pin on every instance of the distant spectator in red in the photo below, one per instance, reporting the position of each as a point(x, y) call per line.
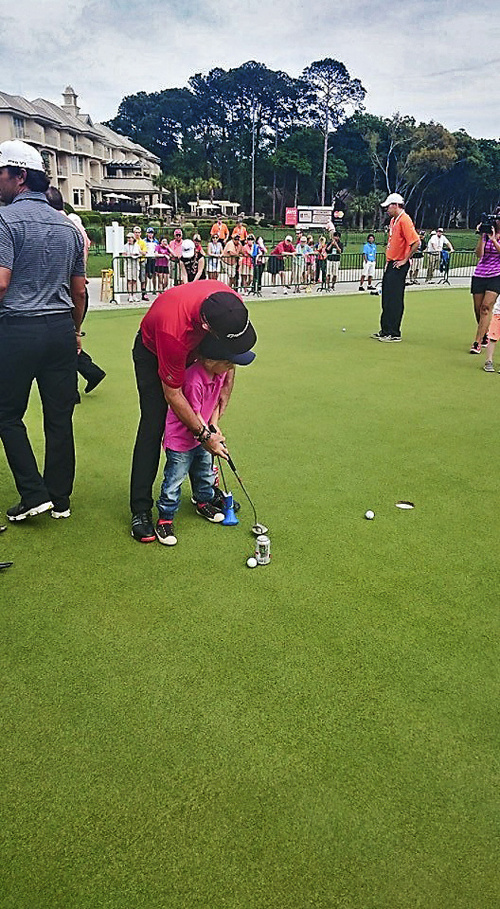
point(276, 264)
point(175, 249)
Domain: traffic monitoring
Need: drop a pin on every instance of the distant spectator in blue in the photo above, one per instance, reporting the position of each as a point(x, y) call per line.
point(369, 261)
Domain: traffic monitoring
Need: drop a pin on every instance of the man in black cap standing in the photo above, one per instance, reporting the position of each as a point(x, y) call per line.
point(168, 337)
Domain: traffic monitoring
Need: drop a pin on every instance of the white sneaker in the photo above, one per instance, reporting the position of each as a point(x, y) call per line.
point(60, 514)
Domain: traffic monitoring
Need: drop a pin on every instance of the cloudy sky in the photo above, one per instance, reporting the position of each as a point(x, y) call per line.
point(434, 59)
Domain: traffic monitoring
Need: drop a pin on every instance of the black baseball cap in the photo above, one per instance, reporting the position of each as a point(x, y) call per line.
point(229, 321)
point(213, 349)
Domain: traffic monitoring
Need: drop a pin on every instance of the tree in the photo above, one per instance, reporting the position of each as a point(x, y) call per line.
point(160, 121)
point(335, 93)
point(199, 185)
point(160, 181)
point(175, 185)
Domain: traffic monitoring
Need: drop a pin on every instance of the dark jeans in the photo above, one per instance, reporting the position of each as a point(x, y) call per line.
point(153, 410)
point(321, 270)
point(257, 277)
point(393, 291)
point(41, 348)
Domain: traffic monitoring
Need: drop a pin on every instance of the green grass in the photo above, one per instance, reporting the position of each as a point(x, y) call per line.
point(179, 731)
point(96, 262)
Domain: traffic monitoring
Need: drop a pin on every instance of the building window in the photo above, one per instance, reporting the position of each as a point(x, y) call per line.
point(46, 162)
point(76, 164)
point(19, 127)
point(78, 197)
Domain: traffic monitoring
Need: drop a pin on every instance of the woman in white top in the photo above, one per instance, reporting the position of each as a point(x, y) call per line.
point(131, 253)
point(214, 252)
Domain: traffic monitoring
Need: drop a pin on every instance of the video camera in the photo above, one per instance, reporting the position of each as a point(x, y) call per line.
point(488, 223)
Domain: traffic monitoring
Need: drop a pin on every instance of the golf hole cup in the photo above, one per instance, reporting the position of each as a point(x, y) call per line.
point(263, 550)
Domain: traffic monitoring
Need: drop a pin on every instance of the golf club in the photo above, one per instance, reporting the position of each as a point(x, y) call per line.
point(257, 528)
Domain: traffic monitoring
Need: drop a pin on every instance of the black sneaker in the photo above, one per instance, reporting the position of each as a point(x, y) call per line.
point(484, 341)
point(143, 528)
point(94, 381)
point(390, 338)
point(376, 335)
point(5, 565)
point(219, 500)
point(210, 512)
point(21, 511)
point(165, 532)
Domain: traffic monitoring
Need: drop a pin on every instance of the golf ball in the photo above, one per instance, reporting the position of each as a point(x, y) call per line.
point(252, 562)
point(369, 515)
point(343, 329)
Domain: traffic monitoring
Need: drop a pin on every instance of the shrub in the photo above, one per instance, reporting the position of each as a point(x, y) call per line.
point(96, 234)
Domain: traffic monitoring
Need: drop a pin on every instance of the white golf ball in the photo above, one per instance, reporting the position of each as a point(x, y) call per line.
point(343, 329)
point(369, 515)
point(252, 562)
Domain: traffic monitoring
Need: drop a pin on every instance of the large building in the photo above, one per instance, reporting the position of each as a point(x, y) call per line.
point(91, 165)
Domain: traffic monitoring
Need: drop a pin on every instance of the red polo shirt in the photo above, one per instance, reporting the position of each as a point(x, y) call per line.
point(171, 329)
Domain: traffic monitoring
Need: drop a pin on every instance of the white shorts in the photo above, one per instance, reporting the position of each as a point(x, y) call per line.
point(368, 269)
point(332, 268)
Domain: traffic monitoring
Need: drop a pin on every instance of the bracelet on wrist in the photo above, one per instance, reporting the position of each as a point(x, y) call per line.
point(203, 435)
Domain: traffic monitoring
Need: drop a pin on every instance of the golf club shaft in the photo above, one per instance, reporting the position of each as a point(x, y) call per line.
point(233, 468)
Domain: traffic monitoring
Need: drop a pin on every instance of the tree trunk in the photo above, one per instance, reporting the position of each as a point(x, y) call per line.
point(274, 172)
point(295, 200)
point(325, 156)
point(252, 201)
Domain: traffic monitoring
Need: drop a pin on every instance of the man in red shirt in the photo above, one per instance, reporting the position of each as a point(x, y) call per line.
point(402, 243)
point(276, 263)
point(166, 342)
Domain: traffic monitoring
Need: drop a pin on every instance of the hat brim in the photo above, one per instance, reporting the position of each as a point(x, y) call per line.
point(214, 349)
point(243, 343)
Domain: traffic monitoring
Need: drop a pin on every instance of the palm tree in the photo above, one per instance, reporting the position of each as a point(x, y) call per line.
point(174, 186)
point(160, 181)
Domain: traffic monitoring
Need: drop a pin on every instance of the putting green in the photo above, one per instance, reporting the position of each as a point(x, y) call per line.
point(180, 731)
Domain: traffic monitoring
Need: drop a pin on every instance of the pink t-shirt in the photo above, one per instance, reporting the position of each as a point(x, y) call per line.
point(202, 391)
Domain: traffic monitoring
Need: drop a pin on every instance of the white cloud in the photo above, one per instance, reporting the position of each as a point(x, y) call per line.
point(424, 60)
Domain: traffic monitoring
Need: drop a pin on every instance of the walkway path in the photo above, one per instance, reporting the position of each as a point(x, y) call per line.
point(267, 293)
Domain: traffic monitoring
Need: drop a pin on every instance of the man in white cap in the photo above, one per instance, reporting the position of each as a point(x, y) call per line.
point(42, 300)
point(437, 241)
point(402, 242)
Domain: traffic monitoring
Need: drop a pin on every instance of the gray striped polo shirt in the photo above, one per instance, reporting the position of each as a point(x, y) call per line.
point(43, 250)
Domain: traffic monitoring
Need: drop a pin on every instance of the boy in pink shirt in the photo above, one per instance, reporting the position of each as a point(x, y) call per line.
point(202, 388)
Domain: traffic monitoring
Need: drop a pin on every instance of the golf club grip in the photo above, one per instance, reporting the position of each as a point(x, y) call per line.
point(229, 458)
